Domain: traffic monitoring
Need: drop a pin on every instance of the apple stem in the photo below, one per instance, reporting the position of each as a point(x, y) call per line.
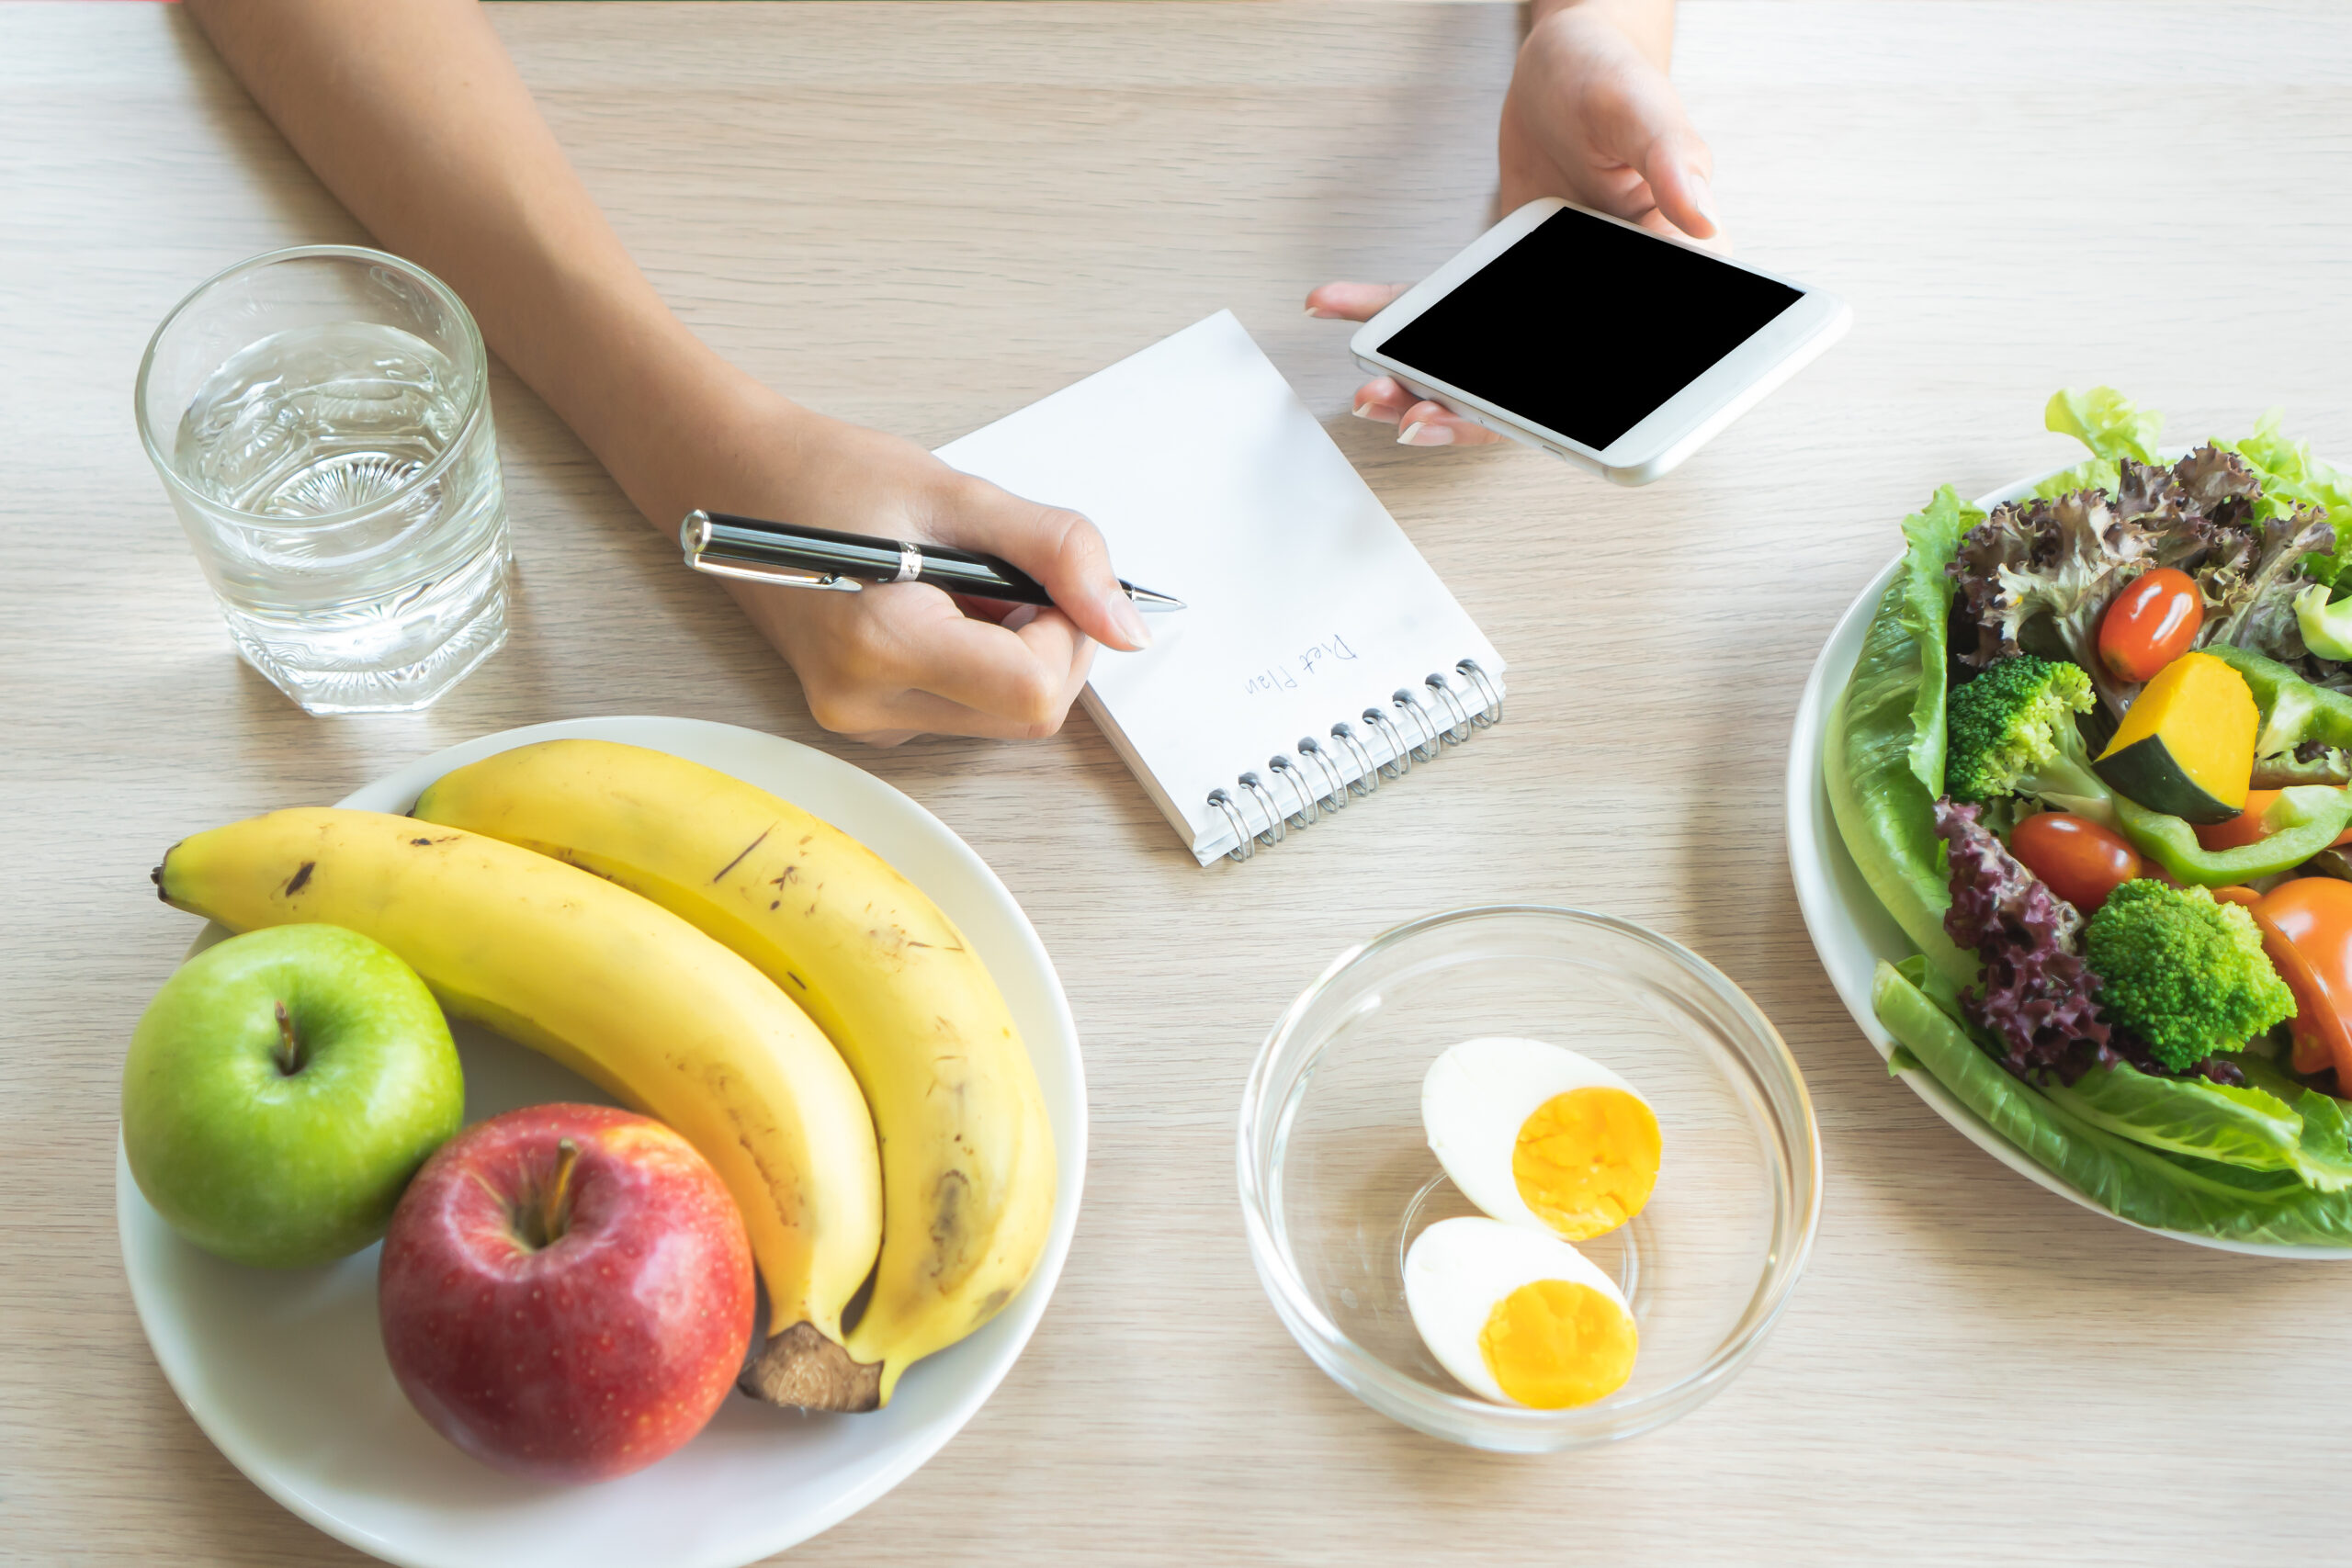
point(289, 1049)
point(555, 1208)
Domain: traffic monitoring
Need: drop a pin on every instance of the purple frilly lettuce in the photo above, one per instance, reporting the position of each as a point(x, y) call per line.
point(2038, 999)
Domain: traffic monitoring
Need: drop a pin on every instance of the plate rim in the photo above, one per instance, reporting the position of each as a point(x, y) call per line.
point(1812, 853)
point(1034, 1296)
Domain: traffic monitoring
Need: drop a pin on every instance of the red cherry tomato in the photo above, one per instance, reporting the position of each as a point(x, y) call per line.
point(2080, 861)
point(2244, 897)
point(2306, 928)
point(2151, 624)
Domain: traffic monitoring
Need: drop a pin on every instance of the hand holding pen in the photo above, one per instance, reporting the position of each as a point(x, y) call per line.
point(757, 550)
point(881, 666)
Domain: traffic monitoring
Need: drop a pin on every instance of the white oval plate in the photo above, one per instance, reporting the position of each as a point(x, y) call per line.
point(1852, 931)
point(286, 1371)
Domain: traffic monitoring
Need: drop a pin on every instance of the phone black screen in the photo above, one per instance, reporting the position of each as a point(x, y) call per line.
point(1587, 328)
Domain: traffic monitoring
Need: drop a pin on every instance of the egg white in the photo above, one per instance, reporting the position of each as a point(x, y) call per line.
point(1456, 1271)
point(1476, 1095)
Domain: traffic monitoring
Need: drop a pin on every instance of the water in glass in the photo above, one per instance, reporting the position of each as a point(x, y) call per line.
point(322, 419)
point(334, 423)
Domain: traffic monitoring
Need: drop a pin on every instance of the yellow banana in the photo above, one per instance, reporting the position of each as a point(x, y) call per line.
point(967, 1153)
point(628, 995)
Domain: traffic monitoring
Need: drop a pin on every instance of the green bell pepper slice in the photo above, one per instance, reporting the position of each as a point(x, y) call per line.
point(2293, 710)
point(2303, 821)
point(2326, 628)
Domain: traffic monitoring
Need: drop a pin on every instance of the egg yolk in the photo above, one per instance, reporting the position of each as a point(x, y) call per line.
point(1586, 1161)
point(1553, 1344)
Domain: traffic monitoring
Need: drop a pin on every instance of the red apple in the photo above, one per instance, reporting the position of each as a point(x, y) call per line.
point(566, 1291)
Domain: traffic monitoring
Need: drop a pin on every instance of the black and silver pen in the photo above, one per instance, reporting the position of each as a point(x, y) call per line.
point(754, 550)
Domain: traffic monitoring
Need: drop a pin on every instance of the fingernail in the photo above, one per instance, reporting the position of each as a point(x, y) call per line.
point(1315, 313)
point(1422, 434)
point(1124, 617)
point(1022, 616)
point(1703, 198)
point(1364, 410)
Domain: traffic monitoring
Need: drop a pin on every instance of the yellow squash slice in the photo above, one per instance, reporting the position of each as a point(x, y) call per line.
point(2186, 746)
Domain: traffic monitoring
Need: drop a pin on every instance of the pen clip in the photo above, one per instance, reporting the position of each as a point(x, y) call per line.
point(778, 576)
point(694, 537)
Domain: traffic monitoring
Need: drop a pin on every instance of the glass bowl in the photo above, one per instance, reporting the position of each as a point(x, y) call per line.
point(1337, 1178)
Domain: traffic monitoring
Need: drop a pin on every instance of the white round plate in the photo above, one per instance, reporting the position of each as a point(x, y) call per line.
point(1852, 931)
point(286, 1371)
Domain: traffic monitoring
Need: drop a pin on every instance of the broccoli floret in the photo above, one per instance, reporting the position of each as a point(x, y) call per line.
point(2012, 731)
point(2183, 971)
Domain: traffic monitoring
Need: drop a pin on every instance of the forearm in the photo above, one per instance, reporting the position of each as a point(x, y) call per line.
point(413, 115)
point(1649, 23)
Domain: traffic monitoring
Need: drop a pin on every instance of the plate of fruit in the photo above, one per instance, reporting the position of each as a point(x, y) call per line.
point(620, 1141)
point(2069, 826)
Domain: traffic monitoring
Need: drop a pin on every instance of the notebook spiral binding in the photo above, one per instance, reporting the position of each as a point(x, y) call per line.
point(1324, 777)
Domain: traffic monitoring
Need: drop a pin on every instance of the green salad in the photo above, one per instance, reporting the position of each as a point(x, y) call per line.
point(2093, 758)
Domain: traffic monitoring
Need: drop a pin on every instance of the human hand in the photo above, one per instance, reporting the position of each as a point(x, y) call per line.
point(414, 116)
point(889, 662)
point(1590, 116)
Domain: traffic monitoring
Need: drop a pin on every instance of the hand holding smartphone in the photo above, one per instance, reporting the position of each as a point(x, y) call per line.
point(1640, 350)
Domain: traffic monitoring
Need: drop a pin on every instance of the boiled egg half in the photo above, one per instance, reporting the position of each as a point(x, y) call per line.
point(1538, 1135)
point(1518, 1316)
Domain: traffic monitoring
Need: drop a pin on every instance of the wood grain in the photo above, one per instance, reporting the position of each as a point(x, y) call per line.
point(925, 216)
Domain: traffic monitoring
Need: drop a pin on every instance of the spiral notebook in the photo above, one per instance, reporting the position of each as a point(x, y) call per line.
point(1319, 658)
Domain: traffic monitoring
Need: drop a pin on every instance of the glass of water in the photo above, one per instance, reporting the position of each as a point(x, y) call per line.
point(321, 417)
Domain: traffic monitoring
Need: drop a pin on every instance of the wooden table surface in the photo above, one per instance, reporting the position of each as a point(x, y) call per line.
point(924, 217)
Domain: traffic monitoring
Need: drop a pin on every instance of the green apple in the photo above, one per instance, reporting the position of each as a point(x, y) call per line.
point(281, 1089)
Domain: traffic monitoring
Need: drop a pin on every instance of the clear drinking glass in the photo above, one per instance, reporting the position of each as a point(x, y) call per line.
point(321, 417)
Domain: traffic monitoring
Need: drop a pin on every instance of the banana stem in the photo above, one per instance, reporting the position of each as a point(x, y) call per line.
point(289, 1048)
point(555, 1207)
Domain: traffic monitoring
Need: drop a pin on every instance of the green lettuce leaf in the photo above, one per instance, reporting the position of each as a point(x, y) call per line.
point(1933, 537)
point(2146, 1186)
point(2291, 478)
point(2326, 1163)
point(2107, 422)
point(2247, 1127)
point(2097, 474)
point(2111, 425)
point(2325, 1158)
point(1939, 988)
point(1883, 753)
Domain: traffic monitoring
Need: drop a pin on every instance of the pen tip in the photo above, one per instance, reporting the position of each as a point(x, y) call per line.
point(1145, 599)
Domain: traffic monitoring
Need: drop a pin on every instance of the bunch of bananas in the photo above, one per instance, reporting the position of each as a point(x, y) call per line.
point(719, 959)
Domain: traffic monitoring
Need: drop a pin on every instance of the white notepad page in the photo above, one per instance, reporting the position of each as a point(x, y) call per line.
point(1306, 603)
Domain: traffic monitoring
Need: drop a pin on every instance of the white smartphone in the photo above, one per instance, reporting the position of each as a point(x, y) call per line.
point(1598, 341)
